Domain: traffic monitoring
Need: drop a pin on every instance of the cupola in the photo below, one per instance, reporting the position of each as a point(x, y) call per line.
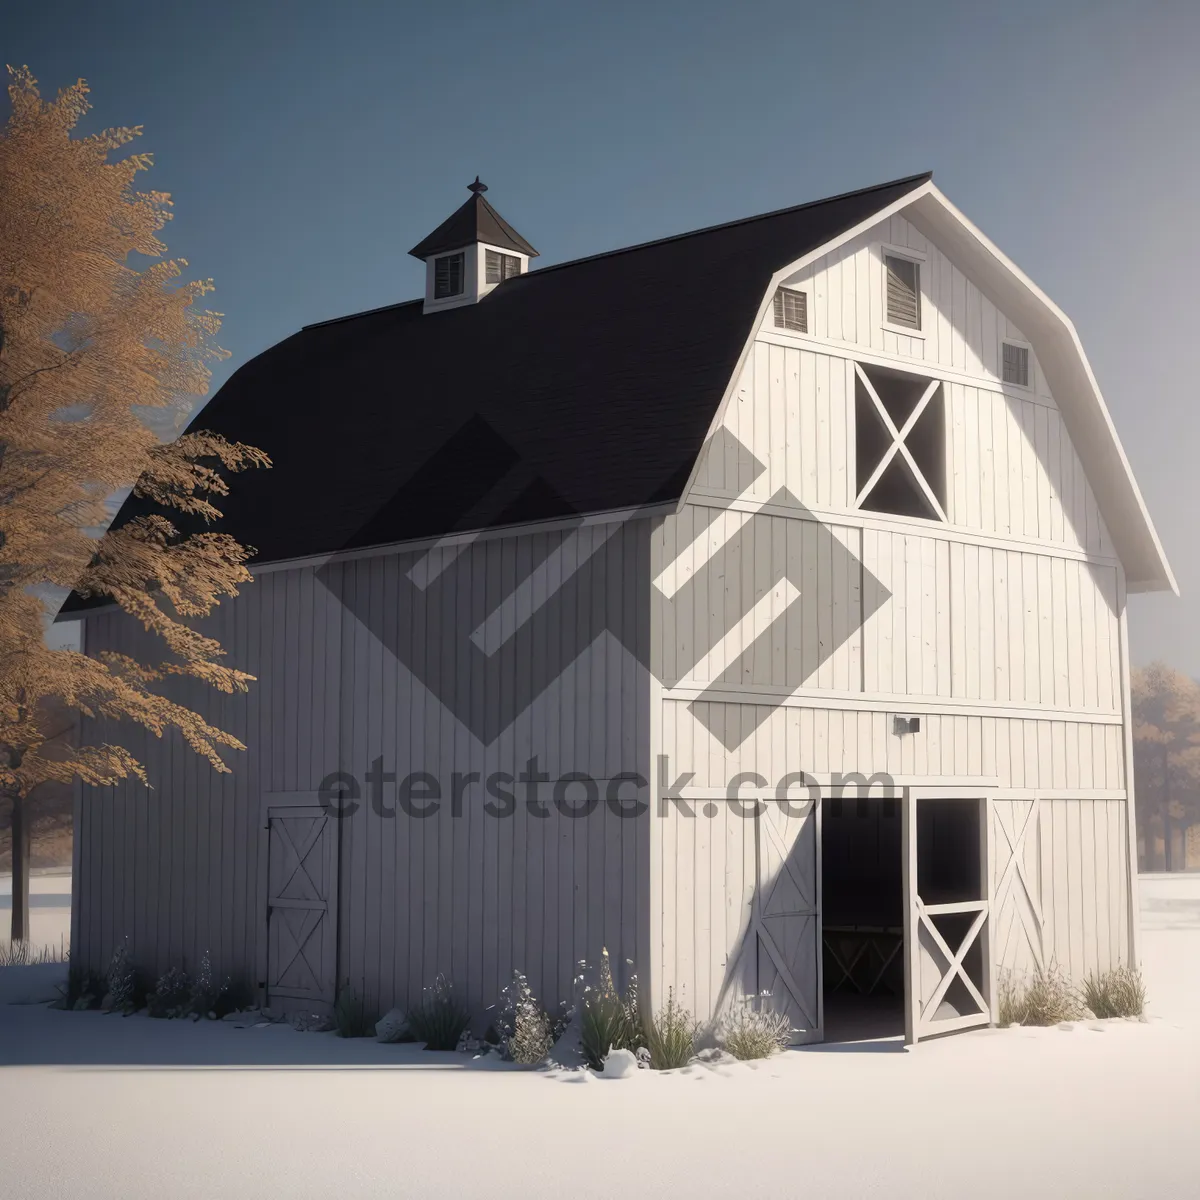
point(469, 253)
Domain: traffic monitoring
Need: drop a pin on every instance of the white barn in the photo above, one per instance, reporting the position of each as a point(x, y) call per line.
point(589, 601)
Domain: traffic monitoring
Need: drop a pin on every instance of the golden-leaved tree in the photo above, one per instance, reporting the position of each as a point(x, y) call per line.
point(1166, 744)
point(93, 338)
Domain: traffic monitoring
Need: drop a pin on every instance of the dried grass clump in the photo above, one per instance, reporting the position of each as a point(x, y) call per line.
point(440, 1019)
point(609, 1021)
point(350, 1016)
point(751, 1033)
point(25, 954)
point(671, 1037)
point(1116, 993)
point(1047, 997)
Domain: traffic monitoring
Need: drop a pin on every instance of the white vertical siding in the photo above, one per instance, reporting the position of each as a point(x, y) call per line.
point(797, 736)
point(176, 868)
point(881, 612)
point(961, 329)
point(1068, 904)
point(1012, 472)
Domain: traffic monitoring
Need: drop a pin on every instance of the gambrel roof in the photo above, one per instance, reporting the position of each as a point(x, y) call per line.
point(1072, 383)
point(585, 388)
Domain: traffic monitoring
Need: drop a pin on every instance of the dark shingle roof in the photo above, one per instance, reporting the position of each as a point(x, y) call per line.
point(581, 388)
point(474, 221)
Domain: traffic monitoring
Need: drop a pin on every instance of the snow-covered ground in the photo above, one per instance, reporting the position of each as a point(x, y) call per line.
point(108, 1106)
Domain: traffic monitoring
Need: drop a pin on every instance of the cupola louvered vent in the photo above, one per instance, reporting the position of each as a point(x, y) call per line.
point(791, 310)
point(903, 292)
point(500, 267)
point(1016, 364)
point(448, 276)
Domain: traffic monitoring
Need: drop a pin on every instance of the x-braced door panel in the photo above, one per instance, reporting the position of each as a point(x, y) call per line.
point(946, 933)
point(784, 922)
point(301, 905)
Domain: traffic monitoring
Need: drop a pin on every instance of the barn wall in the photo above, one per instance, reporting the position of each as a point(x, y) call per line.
point(177, 867)
point(1068, 905)
point(792, 627)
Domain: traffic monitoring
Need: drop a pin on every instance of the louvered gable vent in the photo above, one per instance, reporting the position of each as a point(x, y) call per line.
point(1016, 364)
point(903, 292)
point(791, 310)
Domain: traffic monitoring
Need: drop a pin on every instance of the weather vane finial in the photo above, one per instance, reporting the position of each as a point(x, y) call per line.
point(477, 187)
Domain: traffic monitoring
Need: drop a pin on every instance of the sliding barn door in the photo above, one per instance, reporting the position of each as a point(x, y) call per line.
point(946, 931)
point(785, 920)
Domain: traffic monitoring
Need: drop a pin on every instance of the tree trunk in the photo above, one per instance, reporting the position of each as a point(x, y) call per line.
point(20, 869)
point(1166, 811)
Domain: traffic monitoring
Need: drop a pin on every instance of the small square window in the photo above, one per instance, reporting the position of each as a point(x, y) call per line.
point(1016, 364)
point(903, 291)
point(448, 276)
point(791, 310)
point(499, 267)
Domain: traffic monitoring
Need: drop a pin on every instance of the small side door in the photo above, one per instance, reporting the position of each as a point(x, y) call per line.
point(947, 952)
point(786, 913)
point(302, 863)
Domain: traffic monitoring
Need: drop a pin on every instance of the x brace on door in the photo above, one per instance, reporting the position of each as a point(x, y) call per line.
point(925, 915)
point(299, 854)
point(1015, 869)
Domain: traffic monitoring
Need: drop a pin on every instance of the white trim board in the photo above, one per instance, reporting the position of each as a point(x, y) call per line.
point(901, 705)
point(966, 787)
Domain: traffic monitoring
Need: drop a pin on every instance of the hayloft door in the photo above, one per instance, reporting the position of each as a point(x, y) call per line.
point(785, 918)
point(946, 914)
point(301, 905)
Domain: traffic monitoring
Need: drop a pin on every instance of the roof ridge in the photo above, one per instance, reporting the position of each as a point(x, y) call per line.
point(915, 180)
point(922, 177)
point(367, 312)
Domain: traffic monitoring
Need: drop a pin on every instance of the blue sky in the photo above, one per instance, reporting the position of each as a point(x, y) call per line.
point(309, 145)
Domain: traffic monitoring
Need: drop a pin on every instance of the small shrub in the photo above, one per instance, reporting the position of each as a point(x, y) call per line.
point(439, 1020)
point(350, 1016)
point(202, 998)
point(1047, 998)
point(749, 1033)
point(524, 1029)
point(1116, 993)
point(236, 995)
point(172, 994)
point(671, 1037)
point(84, 988)
point(635, 1026)
point(121, 981)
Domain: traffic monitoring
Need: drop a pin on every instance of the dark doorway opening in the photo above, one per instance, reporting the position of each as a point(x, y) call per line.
point(862, 902)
